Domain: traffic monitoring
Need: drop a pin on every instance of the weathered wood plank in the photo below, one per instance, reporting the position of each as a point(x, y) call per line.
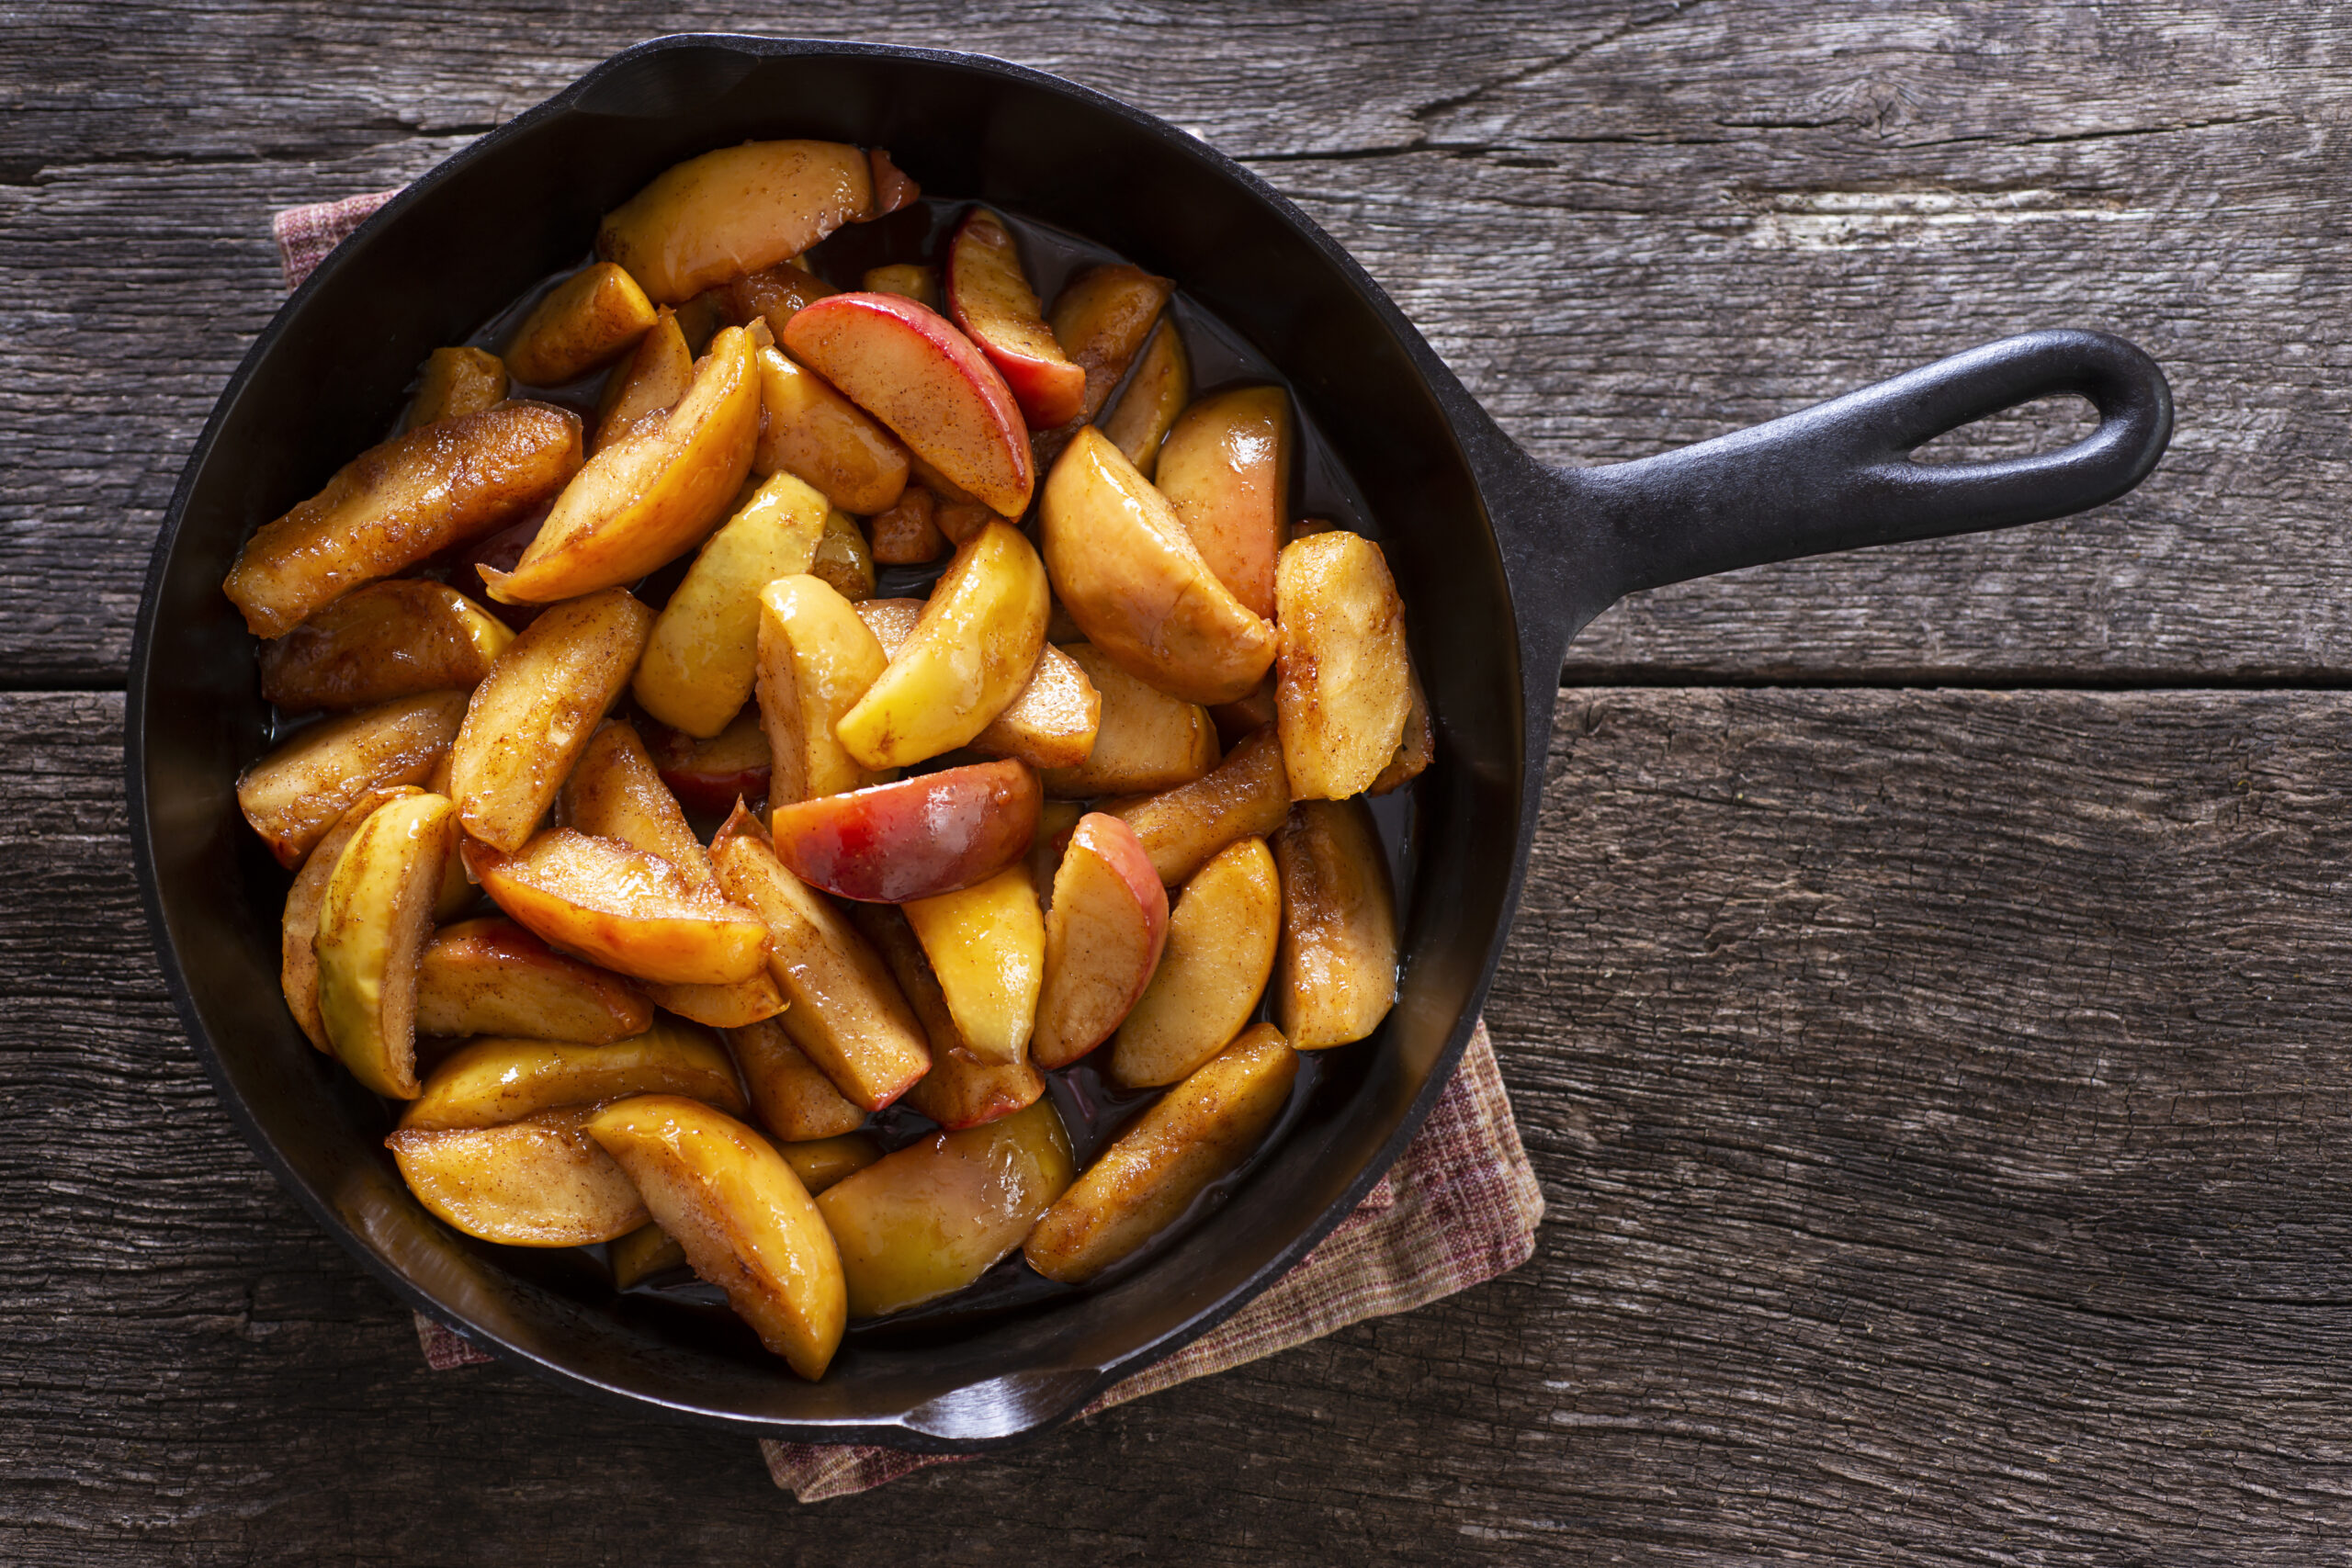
point(1626, 226)
point(1938, 1097)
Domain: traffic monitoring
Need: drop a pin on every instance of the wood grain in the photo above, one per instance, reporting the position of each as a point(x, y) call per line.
point(1626, 226)
point(1937, 1098)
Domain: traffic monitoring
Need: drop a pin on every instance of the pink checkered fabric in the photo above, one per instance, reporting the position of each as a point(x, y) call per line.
point(1459, 1207)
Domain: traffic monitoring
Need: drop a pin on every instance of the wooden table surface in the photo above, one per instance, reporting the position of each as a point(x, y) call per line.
point(1926, 1014)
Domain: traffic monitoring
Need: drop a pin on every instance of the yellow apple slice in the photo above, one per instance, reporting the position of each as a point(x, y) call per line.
point(529, 720)
point(621, 908)
point(816, 661)
point(844, 560)
point(1220, 952)
point(1344, 685)
point(372, 924)
point(299, 930)
point(643, 1253)
point(293, 795)
point(699, 663)
point(790, 1095)
point(543, 1182)
point(986, 944)
point(485, 1082)
point(1415, 751)
point(827, 1162)
point(1051, 722)
point(1132, 580)
point(395, 639)
point(919, 284)
point(935, 1215)
point(1225, 468)
point(490, 976)
point(1144, 738)
point(812, 431)
point(643, 502)
point(734, 211)
point(1247, 795)
point(649, 383)
point(961, 1090)
point(1155, 398)
point(975, 648)
point(455, 381)
point(590, 319)
point(747, 1224)
point(1103, 938)
point(1335, 977)
point(1198, 1133)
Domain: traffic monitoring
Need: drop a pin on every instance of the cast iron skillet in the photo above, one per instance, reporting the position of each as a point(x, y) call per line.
point(1503, 559)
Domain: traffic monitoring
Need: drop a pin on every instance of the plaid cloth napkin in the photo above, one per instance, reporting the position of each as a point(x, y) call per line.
point(1459, 1207)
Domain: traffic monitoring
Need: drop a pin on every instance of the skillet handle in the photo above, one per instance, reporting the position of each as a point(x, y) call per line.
point(1839, 475)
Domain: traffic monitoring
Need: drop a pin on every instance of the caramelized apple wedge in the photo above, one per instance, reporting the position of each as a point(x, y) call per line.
point(969, 655)
point(712, 775)
point(906, 279)
point(1220, 952)
point(844, 560)
point(961, 1090)
point(732, 212)
point(543, 1182)
point(1345, 684)
point(455, 381)
point(1155, 398)
point(826, 1162)
point(1132, 578)
point(643, 1253)
point(1050, 722)
point(372, 924)
point(485, 1082)
point(1102, 319)
point(987, 945)
point(790, 1095)
point(747, 1224)
point(438, 486)
point(621, 908)
point(990, 298)
point(1418, 748)
point(935, 1215)
point(1198, 1133)
point(1104, 937)
point(590, 319)
point(299, 930)
point(905, 532)
point(1225, 468)
point(846, 1014)
point(910, 367)
point(699, 663)
point(490, 976)
point(1335, 977)
point(529, 720)
point(913, 839)
point(640, 502)
point(774, 294)
point(649, 383)
point(293, 795)
point(1247, 795)
point(1144, 738)
point(816, 661)
point(389, 639)
point(812, 431)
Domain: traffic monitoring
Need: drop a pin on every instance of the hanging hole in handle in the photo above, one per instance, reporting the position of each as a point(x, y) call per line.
point(2025, 430)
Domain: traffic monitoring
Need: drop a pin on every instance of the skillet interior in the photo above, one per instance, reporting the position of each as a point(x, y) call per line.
point(517, 205)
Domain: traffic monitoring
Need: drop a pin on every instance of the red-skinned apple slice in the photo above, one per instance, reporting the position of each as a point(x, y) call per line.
point(992, 302)
point(1104, 937)
point(914, 839)
point(712, 775)
point(910, 367)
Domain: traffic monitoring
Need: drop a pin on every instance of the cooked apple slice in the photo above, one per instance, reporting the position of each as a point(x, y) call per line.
point(438, 486)
point(1335, 977)
point(960, 520)
point(1247, 795)
point(543, 1182)
point(905, 532)
point(986, 944)
point(816, 659)
point(490, 976)
point(908, 367)
point(698, 666)
point(990, 298)
point(975, 648)
point(791, 1096)
point(372, 923)
point(621, 908)
point(774, 294)
point(827, 1162)
point(846, 1013)
point(1198, 1133)
point(736, 210)
point(961, 1090)
point(913, 839)
point(1221, 941)
point(1051, 721)
point(1103, 938)
point(640, 502)
point(648, 384)
point(299, 930)
point(1238, 720)
point(485, 1082)
point(845, 561)
point(1344, 685)
point(812, 431)
point(893, 189)
point(530, 719)
point(747, 1224)
point(1155, 396)
point(919, 284)
point(1225, 469)
point(1144, 739)
point(936, 1216)
point(712, 775)
point(1419, 744)
point(394, 638)
point(1101, 320)
point(1135, 581)
point(644, 1252)
point(590, 319)
point(293, 795)
point(455, 381)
